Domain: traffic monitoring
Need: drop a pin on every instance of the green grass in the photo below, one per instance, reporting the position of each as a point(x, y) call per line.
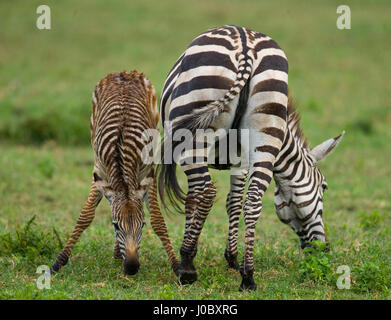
point(340, 80)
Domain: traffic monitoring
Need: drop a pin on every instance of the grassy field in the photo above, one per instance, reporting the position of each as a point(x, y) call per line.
point(340, 79)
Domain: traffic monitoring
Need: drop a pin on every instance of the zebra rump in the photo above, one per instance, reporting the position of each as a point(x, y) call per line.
point(201, 119)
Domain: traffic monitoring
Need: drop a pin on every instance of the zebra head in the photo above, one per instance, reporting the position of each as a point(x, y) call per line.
point(299, 202)
point(128, 220)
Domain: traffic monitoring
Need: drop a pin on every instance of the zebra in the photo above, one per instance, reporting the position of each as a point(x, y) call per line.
point(231, 77)
point(124, 105)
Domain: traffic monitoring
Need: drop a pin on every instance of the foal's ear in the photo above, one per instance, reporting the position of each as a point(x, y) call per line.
point(322, 150)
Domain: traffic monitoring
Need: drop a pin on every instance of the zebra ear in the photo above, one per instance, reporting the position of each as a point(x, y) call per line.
point(322, 150)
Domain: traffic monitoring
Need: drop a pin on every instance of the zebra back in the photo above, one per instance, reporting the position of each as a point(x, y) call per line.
point(124, 106)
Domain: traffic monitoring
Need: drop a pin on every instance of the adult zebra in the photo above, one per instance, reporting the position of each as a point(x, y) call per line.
point(234, 78)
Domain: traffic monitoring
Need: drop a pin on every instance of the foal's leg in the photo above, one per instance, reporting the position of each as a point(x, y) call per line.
point(199, 201)
point(234, 207)
point(117, 251)
point(159, 225)
point(86, 217)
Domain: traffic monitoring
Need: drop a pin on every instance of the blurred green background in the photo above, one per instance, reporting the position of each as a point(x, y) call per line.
point(339, 79)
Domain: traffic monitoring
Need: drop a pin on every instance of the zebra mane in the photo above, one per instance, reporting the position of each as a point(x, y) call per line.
point(294, 124)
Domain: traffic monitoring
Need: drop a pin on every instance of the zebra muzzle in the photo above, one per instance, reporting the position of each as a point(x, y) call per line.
point(306, 244)
point(131, 265)
point(131, 261)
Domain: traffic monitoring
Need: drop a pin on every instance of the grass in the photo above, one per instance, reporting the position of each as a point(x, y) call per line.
point(339, 79)
point(283, 271)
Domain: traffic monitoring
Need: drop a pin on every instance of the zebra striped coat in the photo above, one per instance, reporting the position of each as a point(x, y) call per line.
point(235, 78)
point(123, 108)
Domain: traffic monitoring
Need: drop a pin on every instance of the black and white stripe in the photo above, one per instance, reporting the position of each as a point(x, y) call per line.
point(228, 78)
point(123, 109)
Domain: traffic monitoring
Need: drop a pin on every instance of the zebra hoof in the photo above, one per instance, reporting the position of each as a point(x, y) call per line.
point(249, 287)
point(175, 268)
point(232, 260)
point(58, 264)
point(54, 269)
point(187, 276)
point(234, 265)
point(244, 286)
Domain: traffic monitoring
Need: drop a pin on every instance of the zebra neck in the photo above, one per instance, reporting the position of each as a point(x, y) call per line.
point(292, 162)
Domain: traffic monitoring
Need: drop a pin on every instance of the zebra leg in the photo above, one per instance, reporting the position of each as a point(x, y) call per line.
point(159, 225)
point(260, 177)
point(199, 201)
point(117, 251)
point(234, 206)
point(265, 120)
point(262, 154)
point(187, 271)
point(85, 219)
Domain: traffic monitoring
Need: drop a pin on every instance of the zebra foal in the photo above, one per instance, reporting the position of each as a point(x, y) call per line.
point(123, 108)
point(235, 78)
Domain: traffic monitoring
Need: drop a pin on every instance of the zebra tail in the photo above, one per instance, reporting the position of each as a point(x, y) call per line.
point(200, 119)
point(205, 116)
point(168, 186)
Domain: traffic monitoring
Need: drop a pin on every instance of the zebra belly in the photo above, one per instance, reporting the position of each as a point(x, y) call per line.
point(223, 161)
